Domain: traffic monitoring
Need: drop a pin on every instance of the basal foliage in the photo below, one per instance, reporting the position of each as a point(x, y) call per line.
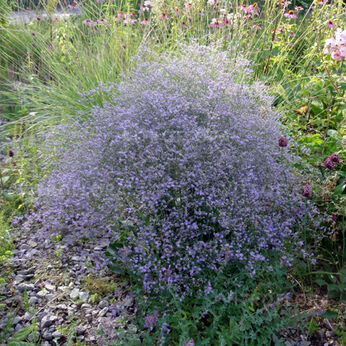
point(183, 169)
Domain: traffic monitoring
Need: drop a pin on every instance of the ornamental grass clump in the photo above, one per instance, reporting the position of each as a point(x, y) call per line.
point(183, 169)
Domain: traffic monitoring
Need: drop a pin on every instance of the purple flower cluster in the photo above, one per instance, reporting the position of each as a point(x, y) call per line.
point(183, 168)
point(331, 160)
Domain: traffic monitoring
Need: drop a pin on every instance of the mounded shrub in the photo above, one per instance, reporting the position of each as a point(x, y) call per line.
point(183, 169)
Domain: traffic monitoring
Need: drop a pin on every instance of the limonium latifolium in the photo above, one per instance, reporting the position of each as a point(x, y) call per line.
point(183, 168)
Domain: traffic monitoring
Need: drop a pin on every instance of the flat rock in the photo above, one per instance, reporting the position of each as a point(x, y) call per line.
point(49, 287)
point(48, 320)
point(41, 294)
point(33, 300)
point(83, 296)
point(74, 293)
point(23, 286)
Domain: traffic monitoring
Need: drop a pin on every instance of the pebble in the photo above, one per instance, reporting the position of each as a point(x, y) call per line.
point(16, 320)
point(74, 293)
point(40, 316)
point(41, 294)
point(33, 300)
point(80, 330)
point(18, 327)
point(83, 296)
point(23, 286)
point(47, 321)
point(32, 243)
point(56, 334)
point(47, 336)
point(49, 287)
point(103, 304)
point(27, 316)
point(61, 307)
point(103, 311)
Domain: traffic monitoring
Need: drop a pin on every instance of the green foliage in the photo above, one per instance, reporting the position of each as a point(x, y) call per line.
point(240, 310)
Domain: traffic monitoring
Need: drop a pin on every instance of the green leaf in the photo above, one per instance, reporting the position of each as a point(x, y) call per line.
point(330, 314)
point(21, 335)
point(320, 282)
point(117, 269)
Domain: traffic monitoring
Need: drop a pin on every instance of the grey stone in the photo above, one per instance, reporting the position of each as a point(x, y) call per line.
point(84, 296)
point(62, 288)
point(18, 279)
point(75, 258)
point(16, 320)
point(27, 316)
point(74, 293)
point(103, 312)
point(32, 243)
point(33, 300)
point(56, 334)
point(47, 336)
point(23, 286)
point(47, 321)
point(103, 304)
point(86, 306)
point(50, 296)
point(80, 330)
point(49, 287)
point(17, 299)
point(42, 294)
point(18, 327)
point(128, 301)
point(31, 337)
point(30, 270)
point(40, 316)
point(61, 307)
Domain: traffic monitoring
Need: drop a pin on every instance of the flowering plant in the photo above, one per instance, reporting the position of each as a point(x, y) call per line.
point(336, 46)
point(183, 169)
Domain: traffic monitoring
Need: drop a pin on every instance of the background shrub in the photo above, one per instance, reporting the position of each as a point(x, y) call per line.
point(184, 168)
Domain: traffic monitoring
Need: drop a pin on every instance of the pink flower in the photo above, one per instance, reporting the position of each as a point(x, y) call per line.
point(249, 10)
point(285, 3)
point(215, 23)
point(101, 21)
point(145, 22)
point(130, 21)
point(328, 163)
point(164, 15)
point(290, 14)
point(336, 46)
point(89, 22)
point(330, 24)
point(307, 191)
point(336, 55)
point(299, 8)
point(335, 157)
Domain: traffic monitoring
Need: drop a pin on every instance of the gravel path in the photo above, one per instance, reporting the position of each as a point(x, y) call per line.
point(25, 17)
point(46, 284)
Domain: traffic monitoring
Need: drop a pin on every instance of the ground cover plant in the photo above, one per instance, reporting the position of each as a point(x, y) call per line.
point(140, 147)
